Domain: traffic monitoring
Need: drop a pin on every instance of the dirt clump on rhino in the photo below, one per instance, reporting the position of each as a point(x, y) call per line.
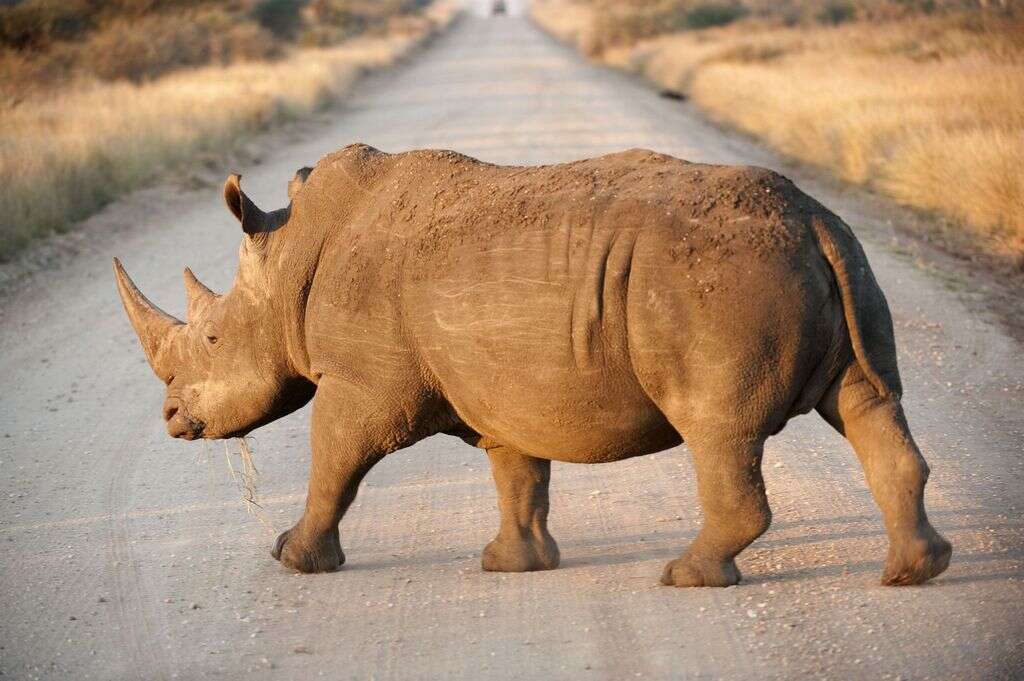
point(585, 312)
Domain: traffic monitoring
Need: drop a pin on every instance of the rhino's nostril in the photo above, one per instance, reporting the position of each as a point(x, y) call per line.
point(177, 427)
point(183, 427)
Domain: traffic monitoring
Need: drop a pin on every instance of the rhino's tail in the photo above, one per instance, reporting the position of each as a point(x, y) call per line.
point(868, 320)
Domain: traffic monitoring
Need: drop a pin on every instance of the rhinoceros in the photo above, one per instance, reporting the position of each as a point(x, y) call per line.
point(585, 312)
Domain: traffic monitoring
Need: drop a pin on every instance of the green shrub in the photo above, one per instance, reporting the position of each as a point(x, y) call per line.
point(280, 17)
point(137, 50)
point(713, 14)
point(46, 42)
point(321, 36)
point(149, 46)
point(836, 12)
point(233, 38)
point(622, 23)
point(34, 24)
point(331, 21)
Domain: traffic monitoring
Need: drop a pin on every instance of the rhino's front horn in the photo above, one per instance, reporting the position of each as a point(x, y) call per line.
point(153, 326)
point(199, 297)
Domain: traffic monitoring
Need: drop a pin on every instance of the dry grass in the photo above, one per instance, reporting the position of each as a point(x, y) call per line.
point(50, 43)
point(64, 156)
point(929, 111)
point(567, 21)
point(247, 477)
point(939, 136)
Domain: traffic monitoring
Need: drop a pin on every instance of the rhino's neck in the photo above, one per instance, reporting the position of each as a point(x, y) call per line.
point(342, 252)
point(291, 280)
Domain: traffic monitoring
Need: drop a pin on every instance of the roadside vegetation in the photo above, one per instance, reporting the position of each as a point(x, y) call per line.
point(99, 97)
point(921, 100)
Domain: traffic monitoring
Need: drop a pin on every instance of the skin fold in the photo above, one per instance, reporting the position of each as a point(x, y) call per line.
point(585, 312)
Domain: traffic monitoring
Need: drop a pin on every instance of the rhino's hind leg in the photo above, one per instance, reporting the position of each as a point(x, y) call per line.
point(523, 542)
point(735, 507)
point(896, 473)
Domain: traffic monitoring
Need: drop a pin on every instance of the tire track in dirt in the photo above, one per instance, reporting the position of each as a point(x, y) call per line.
point(131, 597)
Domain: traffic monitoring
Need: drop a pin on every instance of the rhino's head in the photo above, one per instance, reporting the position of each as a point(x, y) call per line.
point(228, 369)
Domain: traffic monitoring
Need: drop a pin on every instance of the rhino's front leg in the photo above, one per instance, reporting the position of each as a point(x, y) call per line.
point(351, 431)
point(523, 542)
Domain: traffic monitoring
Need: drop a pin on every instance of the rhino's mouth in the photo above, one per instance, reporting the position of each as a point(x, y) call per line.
point(180, 424)
point(184, 428)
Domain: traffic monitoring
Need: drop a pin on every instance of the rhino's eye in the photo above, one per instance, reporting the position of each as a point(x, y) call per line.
point(210, 333)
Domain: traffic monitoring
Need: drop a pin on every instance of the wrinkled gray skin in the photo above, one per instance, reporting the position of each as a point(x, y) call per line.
point(586, 312)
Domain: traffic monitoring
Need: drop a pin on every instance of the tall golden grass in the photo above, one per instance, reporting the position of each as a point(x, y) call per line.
point(65, 156)
point(568, 21)
point(929, 111)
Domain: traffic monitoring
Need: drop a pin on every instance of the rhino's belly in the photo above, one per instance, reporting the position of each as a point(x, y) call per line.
point(582, 422)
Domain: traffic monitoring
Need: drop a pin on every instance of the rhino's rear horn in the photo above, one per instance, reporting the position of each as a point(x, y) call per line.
point(199, 296)
point(153, 326)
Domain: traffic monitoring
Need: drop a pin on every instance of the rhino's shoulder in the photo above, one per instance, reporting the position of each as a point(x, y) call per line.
point(639, 156)
point(358, 154)
point(438, 157)
point(429, 165)
point(356, 165)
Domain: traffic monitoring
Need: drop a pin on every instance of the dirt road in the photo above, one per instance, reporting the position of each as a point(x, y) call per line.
point(126, 555)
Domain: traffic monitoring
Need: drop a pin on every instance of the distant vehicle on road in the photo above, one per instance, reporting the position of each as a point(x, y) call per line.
point(499, 7)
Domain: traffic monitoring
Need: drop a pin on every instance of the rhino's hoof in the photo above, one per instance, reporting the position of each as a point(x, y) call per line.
point(520, 555)
point(322, 553)
point(918, 560)
point(690, 571)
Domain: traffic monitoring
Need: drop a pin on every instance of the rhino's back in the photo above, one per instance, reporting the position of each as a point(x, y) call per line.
point(559, 307)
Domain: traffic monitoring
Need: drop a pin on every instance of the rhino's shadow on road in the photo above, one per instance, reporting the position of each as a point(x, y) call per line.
point(667, 545)
point(660, 545)
point(875, 567)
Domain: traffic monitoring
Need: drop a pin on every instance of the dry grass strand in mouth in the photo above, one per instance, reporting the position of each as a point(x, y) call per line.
point(247, 478)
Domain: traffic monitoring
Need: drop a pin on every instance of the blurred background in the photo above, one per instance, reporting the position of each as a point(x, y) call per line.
point(921, 100)
point(98, 97)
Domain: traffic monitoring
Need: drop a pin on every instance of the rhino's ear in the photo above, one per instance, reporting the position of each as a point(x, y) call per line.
point(296, 182)
point(256, 224)
point(248, 213)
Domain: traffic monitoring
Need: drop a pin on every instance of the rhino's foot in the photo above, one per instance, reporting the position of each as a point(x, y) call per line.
point(521, 554)
point(917, 560)
point(692, 571)
point(319, 553)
